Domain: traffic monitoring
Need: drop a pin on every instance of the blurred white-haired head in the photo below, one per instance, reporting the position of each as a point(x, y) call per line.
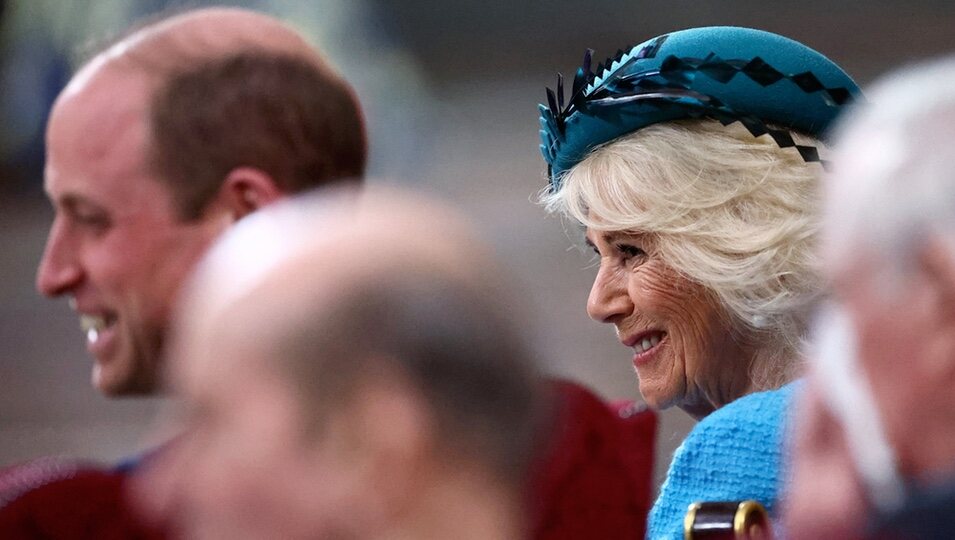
point(894, 178)
point(885, 351)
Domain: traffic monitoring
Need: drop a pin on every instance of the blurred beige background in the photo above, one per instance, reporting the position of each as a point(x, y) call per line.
point(451, 90)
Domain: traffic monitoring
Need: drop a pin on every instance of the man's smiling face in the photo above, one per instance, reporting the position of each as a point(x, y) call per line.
point(116, 247)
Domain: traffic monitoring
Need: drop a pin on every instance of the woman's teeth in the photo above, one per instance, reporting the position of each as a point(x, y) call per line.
point(647, 343)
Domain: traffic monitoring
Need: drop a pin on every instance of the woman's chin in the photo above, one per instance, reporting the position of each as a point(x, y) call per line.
point(657, 400)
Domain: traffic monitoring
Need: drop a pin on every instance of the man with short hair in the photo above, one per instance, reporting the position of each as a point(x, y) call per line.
point(875, 448)
point(163, 141)
point(367, 382)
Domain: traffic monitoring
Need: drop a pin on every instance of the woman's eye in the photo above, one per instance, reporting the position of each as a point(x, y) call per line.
point(630, 251)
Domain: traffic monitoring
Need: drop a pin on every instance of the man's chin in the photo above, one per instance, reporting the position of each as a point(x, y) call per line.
point(112, 383)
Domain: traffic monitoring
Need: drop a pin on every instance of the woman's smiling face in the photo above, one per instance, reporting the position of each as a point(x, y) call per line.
point(684, 351)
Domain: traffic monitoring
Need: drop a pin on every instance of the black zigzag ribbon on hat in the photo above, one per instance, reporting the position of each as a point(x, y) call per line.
point(670, 87)
point(584, 76)
point(710, 107)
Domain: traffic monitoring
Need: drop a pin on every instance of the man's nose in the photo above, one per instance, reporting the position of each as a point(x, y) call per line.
point(608, 299)
point(59, 270)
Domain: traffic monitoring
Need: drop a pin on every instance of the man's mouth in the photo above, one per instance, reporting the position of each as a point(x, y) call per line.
point(94, 325)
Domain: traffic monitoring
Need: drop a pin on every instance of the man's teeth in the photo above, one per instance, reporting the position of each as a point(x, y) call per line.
point(92, 325)
point(647, 343)
point(88, 322)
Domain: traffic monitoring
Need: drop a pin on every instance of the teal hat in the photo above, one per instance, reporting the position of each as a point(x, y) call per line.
point(726, 73)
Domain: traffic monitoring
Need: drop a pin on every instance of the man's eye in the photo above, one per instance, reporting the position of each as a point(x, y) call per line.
point(98, 221)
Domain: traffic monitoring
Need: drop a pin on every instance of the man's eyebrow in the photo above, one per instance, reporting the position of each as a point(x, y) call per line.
point(71, 201)
point(68, 201)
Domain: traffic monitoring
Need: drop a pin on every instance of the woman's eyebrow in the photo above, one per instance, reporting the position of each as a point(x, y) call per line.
point(625, 236)
point(614, 236)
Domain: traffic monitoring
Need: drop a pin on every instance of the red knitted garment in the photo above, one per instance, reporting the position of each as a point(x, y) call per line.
point(55, 499)
point(594, 478)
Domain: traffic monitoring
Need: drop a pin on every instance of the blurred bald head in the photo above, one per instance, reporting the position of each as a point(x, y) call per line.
point(375, 232)
point(390, 333)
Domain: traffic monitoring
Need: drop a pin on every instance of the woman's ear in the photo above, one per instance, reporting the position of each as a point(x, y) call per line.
point(247, 189)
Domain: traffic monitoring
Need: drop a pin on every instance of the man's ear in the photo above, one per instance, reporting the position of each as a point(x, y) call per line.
point(247, 189)
point(937, 263)
point(937, 267)
point(385, 443)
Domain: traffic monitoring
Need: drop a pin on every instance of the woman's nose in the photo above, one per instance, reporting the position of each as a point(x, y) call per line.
point(608, 299)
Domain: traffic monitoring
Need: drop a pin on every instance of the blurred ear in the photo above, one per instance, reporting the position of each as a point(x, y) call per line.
point(937, 262)
point(384, 436)
point(937, 266)
point(246, 189)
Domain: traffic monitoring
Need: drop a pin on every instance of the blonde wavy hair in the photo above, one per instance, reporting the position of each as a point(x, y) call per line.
point(732, 212)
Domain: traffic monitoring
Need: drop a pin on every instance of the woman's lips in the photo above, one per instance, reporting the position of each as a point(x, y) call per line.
point(645, 346)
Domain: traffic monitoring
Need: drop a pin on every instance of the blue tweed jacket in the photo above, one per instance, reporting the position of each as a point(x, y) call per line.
point(735, 453)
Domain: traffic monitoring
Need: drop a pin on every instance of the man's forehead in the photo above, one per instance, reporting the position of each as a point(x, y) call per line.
point(106, 87)
point(93, 117)
point(101, 131)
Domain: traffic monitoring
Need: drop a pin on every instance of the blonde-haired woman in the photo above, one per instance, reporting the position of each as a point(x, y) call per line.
point(692, 160)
